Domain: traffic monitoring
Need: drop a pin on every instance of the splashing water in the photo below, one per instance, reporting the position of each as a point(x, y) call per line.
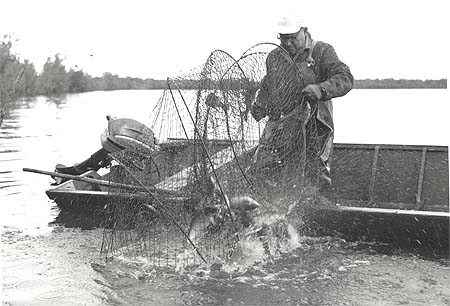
point(267, 238)
point(205, 133)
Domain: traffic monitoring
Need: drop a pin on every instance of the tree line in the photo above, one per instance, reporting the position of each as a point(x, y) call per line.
point(19, 78)
point(399, 84)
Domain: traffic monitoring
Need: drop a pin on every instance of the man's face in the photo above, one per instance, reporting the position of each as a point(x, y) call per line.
point(293, 42)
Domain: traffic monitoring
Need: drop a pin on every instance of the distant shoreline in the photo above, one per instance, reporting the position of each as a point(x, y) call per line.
point(400, 84)
point(359, 84)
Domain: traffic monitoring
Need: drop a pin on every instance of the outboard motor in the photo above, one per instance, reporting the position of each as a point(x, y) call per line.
point(124, 133)
point(121, 134)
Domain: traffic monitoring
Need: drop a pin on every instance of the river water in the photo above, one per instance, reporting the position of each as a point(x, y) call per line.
point(48, 264)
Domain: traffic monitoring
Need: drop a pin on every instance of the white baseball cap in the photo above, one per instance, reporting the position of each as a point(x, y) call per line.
point(290, 24)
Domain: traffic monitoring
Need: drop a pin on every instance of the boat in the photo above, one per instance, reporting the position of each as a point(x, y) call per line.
point(391, 193)
point(388, 193)
point(383, 191)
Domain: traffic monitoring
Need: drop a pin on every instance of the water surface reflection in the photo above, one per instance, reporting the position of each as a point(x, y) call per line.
point(44, 263)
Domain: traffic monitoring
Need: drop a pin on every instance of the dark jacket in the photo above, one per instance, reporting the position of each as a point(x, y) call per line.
point(332, 75)
point(280, 97)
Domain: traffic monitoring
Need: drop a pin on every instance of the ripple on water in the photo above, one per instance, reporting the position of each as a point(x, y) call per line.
point(28, 284)
point(52, 294)
point(9, 282)
point(13, 263)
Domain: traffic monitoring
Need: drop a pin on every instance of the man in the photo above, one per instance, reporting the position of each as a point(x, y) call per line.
point(295, 94)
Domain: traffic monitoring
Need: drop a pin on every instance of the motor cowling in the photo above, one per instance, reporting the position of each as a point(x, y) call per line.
point(121, 134)
point(128, 134)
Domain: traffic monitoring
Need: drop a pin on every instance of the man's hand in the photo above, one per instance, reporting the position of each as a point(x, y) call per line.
point(312, 92)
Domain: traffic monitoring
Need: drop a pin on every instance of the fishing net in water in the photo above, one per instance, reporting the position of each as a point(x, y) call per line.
point(212, 167)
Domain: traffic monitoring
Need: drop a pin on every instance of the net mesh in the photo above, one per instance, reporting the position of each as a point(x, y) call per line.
point(183, 200)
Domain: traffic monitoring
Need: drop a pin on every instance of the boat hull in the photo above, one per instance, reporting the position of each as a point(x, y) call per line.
point(83, 201)
point(387, 193)
point(417, 229)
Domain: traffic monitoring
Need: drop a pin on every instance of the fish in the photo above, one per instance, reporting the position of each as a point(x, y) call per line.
point(274, 231)
point(244, 210)
point(212, 100)
point(210, 216)
point(249, 97)
point(211, 187)
point(244, 203)
point(150, 208)
point(200, 225)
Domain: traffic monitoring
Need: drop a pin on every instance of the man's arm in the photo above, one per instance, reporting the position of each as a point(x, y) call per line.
point(337, 80)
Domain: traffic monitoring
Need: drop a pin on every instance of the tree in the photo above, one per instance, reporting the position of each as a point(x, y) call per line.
point(10, 72)
point(111, 81)
point(17, 79)
point(27, 86)
point(53, 79)
point(78, 81)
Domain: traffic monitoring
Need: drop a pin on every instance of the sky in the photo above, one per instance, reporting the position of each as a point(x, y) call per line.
point(167, 38)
